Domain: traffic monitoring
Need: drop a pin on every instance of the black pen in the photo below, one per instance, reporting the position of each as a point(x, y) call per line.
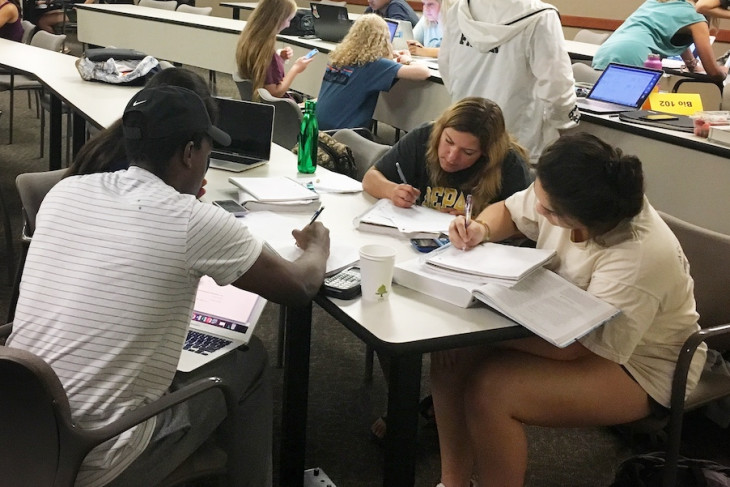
point(316, 214)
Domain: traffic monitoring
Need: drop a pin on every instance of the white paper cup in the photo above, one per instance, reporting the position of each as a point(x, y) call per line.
point(376, 269)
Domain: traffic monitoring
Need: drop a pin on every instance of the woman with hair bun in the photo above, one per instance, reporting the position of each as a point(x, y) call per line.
point(587, 204)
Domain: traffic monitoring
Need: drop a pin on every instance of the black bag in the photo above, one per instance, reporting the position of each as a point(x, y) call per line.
point(646, 471)
point(333, 155)
point(301, 25)
point(117, 66)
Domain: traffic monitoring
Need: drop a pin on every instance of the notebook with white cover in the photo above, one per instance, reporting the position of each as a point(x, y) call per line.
point(224, 318)
point(620, 88)
point(490, 260)
point(251, 127)
point(277, 188)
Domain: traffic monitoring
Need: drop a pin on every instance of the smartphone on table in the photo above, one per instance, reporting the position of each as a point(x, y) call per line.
point(426, 245)
point(231, 206)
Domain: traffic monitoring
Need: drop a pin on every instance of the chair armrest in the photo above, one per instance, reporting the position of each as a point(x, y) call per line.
point(5, 330)
point(167, 401)
point(679, 391)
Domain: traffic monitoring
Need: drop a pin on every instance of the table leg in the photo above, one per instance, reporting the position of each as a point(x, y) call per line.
point(404, 385)
point(79, 133)
point(236, 13)
point(295, 396)
point(55, 138)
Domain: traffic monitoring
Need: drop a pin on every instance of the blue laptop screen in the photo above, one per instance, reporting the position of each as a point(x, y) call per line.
point(625, 85)
point(392, 27)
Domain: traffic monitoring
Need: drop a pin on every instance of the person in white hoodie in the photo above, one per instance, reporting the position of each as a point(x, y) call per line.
point(514, 54)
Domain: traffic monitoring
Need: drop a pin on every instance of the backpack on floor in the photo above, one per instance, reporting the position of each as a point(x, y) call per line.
point(646, 471)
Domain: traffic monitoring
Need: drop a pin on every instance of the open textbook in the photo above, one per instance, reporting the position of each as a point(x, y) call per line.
point(543, 302)
point(413, 222)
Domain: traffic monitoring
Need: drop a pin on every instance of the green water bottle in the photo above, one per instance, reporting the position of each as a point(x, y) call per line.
point(308, 132)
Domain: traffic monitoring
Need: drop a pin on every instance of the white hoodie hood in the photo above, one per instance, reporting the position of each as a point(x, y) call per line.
point(503, 20)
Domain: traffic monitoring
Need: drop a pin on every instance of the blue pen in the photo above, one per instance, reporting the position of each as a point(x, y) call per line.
point(316, 214)
point(400, 173)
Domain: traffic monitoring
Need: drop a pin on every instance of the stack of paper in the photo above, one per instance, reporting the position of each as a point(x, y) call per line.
point(274, 193)
point(490, 260)
point(413, 222)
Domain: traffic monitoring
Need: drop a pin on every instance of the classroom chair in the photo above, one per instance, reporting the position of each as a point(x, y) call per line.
point(287, 118)
point(591, 37)
point(14, 82)
point(708, 254)
point(245, 87)
point(8, 230)
point(161, 4)
point(43, 444)
point(583, 73)
point(28, 31)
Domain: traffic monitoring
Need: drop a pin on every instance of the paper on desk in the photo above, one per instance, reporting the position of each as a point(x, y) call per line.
point(407, 220)
point(276, 230)
point(326, 181)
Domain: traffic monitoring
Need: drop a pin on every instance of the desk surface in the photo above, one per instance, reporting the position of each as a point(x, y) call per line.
point(408, 320)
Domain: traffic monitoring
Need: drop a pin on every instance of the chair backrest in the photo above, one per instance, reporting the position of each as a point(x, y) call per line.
point(37, 415)
point(245, 87)
point(585, 35)
point(52, 42)
point(287, 118)
point(585, 74)
point(366, 152)
point(708, 254)
point(162, 4)
point(28, 31)
point(184, 7)
point(32, 188)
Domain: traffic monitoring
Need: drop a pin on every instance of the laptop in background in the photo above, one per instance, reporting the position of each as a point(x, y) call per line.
point(251, 127)
point(224, 318)
point(392, 28)
point(331, 22)
point(403, 34)
point(620, 88)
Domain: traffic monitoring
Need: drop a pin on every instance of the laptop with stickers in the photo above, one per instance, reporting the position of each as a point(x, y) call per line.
point(620, 88)
point(224, 318)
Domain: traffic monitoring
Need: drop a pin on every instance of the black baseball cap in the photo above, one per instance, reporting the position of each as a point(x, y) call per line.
point(170, 110)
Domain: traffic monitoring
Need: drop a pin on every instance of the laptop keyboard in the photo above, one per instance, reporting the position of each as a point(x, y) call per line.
point(202, 343)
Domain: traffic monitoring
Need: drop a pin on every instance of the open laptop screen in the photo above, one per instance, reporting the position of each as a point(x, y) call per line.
point(250, 126)
point(392, 27)
point(625, 85)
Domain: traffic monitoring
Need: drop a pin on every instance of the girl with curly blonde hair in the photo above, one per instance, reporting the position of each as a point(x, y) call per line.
point(359, 68)
point(256, 57)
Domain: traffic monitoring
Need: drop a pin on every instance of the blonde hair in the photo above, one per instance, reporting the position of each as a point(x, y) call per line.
point(483, 119)
point(368, 40)
point(255, 47)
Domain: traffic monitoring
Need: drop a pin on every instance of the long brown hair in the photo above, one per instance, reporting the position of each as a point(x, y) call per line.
point(256, 44)
point(483, 119)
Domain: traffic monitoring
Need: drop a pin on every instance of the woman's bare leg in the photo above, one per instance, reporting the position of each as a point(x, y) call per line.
point(511, 388)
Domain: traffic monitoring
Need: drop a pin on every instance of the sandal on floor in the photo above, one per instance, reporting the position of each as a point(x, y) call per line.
point(379, 429)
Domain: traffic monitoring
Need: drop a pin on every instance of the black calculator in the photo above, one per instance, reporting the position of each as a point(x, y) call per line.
point(343, 285)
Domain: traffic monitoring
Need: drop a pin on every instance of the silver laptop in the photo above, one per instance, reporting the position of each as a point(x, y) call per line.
point(403, 33)
point(251, 127)
point(392, 28)
point(224, 318)
point(620, 88)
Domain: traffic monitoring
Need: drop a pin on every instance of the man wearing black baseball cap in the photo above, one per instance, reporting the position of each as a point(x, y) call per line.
point(110, 282)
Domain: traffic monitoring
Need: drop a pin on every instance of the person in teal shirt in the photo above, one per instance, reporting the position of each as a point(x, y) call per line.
point(664, 27)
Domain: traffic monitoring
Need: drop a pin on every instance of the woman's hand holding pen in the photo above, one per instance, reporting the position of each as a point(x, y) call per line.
point(463, 236)
point(404, 195)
